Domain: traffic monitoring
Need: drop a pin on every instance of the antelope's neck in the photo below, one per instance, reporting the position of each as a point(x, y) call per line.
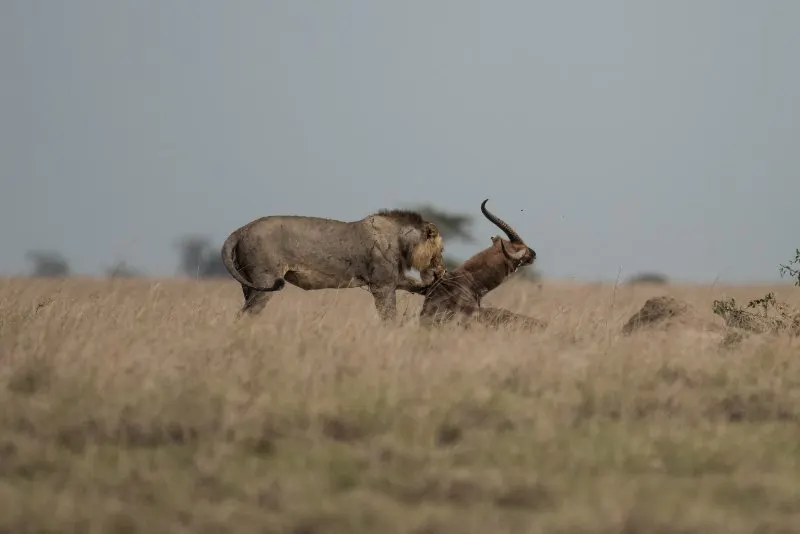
point(485, 278)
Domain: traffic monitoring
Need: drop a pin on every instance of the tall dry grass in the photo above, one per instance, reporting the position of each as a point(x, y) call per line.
point(143, 406)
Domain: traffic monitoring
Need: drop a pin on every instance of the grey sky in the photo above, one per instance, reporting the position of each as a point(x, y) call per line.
point(635, 134)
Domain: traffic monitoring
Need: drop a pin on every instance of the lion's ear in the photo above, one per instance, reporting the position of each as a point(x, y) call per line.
point(431, 231)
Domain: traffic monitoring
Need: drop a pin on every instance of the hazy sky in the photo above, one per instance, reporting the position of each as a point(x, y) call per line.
point(636, 134)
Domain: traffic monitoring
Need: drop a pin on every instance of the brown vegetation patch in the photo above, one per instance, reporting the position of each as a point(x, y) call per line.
point(769, 316)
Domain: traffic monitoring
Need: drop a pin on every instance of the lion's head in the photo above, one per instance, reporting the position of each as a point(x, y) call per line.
point(426, 254)
point(420, 242)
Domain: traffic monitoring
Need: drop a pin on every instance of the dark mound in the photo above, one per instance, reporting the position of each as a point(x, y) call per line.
point(656, 310)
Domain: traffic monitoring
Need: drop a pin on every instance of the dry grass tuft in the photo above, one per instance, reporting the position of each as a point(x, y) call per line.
point(142, 406)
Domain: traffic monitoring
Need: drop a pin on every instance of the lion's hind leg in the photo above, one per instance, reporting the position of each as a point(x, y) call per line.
point(255, 301)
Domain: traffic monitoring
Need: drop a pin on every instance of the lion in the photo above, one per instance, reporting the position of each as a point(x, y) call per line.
point(457, 294)
point(319, 253)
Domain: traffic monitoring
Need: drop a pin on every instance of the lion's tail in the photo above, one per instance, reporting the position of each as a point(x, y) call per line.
point(228, 253)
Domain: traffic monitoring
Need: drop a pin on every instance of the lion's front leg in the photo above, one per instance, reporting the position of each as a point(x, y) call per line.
point(382, 285)
point(385, 302)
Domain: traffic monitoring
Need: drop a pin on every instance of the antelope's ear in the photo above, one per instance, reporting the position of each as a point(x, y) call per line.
point(431, 231)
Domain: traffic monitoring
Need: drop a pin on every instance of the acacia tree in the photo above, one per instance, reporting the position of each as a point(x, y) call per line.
point(451, 225)
point(48, 263)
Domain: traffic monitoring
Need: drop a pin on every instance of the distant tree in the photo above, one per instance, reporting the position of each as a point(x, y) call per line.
point(48, 263)
point(198, 258)
point(212, 264)
point(192, 250)
point(122, 270)
point(451, 225)
point(648, 278)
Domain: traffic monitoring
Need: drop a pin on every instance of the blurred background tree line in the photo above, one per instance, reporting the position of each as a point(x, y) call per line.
point(199, 257)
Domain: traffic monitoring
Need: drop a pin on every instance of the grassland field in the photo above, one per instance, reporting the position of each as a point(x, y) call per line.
point(144, 406)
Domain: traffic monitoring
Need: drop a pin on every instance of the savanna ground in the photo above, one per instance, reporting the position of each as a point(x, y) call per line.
point(143, 406)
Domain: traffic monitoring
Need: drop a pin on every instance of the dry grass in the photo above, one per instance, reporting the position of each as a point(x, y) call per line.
point(142, 406)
